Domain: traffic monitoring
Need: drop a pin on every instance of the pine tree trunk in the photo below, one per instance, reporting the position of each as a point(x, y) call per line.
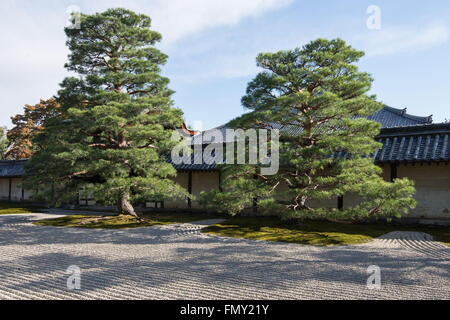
point(124, 206)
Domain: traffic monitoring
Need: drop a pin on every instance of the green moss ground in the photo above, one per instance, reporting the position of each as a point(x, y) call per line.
point(314, 232)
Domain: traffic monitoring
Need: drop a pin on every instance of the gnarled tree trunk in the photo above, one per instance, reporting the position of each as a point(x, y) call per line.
point(124, 206)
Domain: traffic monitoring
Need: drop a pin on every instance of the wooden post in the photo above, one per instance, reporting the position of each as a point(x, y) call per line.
point(341, 203)
point(220, 181)
point(255, 205)
point(255, 200)
point(10, 190)
point(190, 189)
point(393, 172)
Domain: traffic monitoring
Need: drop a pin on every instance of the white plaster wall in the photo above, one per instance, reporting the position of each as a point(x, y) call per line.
point(182, 180)
point(432, 184)
point(203, 181)
point(16, 189)
point(4, 189)
point(432, 189)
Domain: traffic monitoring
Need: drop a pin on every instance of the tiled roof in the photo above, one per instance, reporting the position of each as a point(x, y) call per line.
point(415, 141)
point(388, 117)
point(391, 117)
point(426, 143)
point(11, 169)
point(196, 164)
point(204, 136)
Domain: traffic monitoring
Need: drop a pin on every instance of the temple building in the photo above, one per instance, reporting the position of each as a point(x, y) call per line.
point(413, 147)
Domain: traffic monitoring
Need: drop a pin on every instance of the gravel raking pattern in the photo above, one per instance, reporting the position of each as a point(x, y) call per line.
point(420, 242)
point(179, 262)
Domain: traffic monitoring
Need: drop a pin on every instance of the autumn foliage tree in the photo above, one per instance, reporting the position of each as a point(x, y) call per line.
point(28, 125)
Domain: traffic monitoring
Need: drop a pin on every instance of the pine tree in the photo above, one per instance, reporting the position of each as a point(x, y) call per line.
point(117, 121)
point(318, 99)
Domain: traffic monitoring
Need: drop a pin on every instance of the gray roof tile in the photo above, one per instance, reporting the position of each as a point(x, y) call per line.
point(391, 117)
point(11, 169)
point(422, 143)
point(388, 117)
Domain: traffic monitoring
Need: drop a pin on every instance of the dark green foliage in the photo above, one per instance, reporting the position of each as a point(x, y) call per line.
point(117, 118)
point(318, 99)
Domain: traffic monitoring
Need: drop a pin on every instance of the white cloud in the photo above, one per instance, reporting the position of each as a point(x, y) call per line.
point(225, 67)
point(33, 41)
point(178, 18)
point(32, 56)
point(401, 39)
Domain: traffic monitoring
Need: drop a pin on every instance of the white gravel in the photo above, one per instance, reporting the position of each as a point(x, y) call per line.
point(178, 262)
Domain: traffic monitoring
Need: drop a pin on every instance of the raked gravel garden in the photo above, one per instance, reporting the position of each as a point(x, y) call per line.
point(179, 261)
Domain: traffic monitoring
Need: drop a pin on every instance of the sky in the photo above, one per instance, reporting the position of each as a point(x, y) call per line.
point(212, 46)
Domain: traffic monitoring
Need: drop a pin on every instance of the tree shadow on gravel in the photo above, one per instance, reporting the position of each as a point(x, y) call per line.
point(213, 268)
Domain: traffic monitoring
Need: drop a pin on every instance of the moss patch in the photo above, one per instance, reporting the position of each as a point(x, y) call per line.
point(13, 208)
point(314, 232)
point(442, 235)
point(122, 221)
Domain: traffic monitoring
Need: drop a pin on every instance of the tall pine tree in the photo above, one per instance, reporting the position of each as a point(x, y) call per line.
point(117, 117)
point(318, 99)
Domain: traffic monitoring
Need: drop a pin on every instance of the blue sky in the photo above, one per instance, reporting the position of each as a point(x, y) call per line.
point(212, 45)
